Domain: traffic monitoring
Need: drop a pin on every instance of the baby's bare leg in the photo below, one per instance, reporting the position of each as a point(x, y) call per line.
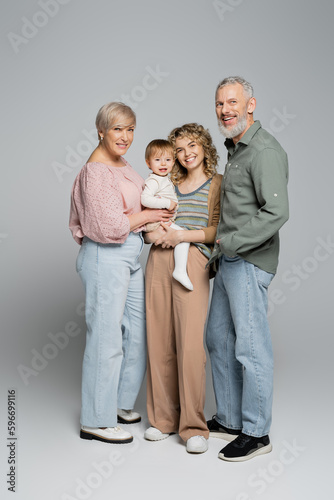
point(153, 236)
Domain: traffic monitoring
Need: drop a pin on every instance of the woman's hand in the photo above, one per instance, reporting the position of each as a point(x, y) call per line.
point(170, 238)
point(155, 215)
point(149, 215)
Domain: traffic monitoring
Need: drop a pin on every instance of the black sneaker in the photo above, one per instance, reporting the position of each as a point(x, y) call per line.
point(245, 447)
point(219, 431)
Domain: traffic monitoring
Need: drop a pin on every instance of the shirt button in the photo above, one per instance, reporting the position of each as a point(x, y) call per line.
point(275, 194)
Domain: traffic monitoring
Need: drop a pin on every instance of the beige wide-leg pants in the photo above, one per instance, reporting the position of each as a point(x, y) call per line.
point(175, 320)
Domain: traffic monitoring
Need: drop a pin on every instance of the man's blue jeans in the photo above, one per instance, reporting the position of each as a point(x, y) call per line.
point(115, 356)
point(239, 343)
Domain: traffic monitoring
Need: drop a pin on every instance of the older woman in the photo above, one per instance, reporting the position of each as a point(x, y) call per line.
point(106, 219)
point(175, 315)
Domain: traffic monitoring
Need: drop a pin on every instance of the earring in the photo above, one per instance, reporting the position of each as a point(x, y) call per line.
point(100, 138)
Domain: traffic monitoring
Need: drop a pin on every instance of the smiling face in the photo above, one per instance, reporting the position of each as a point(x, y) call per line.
point(117, 140)
point(189, 153)
point(234, 111)
point(161, 162)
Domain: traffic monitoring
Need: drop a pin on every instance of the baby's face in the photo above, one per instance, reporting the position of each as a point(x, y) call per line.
point(161, 163)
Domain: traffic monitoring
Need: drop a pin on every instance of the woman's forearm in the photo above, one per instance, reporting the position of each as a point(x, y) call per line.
point(149, 215)
point(173, 237)
point(137, 220)
point(210, 235)
point(192, 236)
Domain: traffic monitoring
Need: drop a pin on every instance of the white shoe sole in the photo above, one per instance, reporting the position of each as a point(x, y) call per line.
point(122, 420)
point(223, 435)
point(158, 437)
point(260, 451)
point(196, 452)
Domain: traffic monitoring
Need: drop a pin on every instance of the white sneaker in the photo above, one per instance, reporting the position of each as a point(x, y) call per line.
point(128, 417)
point(197, 444)
point(153, 434)
point(114, 435)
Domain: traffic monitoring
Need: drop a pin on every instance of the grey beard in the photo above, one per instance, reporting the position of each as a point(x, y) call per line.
point(234, 131)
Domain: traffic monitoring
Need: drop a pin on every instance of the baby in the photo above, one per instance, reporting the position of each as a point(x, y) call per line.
point(159, 192)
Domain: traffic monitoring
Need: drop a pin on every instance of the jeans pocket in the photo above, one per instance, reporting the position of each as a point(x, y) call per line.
point(142, 243)
point(81, 256)
point(263, 278)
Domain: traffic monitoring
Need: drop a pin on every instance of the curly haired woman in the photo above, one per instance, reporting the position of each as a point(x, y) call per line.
point(176, 316)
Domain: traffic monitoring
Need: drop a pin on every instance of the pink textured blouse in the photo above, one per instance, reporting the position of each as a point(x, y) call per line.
point(102, 198)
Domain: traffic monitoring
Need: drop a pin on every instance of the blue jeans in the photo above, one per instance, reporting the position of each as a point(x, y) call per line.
point(239, 343)
point(115, 355)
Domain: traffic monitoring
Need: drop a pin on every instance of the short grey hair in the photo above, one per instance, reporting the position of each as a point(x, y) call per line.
point(232, 80)
point(114, 113)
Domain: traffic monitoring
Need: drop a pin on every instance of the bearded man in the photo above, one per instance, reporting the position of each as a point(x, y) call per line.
point(254, 206)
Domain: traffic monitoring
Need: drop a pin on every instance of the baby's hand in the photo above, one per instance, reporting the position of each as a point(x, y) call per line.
point(173, 205)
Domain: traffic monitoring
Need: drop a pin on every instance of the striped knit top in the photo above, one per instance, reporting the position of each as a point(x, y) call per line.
point(193, 213)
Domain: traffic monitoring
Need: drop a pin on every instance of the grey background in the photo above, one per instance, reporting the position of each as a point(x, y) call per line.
point(55, 77)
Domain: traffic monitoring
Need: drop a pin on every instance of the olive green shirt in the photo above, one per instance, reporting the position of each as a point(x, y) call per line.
point(254, 199)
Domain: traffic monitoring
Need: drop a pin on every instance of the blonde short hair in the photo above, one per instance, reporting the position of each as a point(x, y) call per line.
point(158, 146)
point(114, 113)
point(201, 136)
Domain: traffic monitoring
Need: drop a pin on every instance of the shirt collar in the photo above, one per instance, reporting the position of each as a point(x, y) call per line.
point(245, 139)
